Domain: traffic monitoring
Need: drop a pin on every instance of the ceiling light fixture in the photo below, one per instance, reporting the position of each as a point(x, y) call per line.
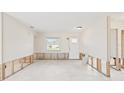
point(79, 27)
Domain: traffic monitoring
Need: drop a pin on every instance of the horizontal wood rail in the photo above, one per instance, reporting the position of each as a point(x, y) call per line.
point(9, 68)
point(51, 56)
point(96, 63)
point(54, 56)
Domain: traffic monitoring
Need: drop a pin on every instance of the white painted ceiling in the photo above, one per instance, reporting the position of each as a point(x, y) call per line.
point(61, 21)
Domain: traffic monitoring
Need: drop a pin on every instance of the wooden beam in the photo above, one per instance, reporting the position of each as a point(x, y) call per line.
point(2, 72)
point(12, 69)
point(108, 69)
point(99, 68)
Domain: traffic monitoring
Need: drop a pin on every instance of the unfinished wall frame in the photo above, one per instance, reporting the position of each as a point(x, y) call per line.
point(96, 63)
point(12, 67)
point(116, 59)
point(53, 56)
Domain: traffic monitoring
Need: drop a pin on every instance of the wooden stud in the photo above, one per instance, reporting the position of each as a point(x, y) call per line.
point(81, 56)
point(118, 64)
point(108, 69)
point(12, 69)
point(31, 59)
point(99, 65)
point(28, 59)
point(2, 72)
point(21, 61)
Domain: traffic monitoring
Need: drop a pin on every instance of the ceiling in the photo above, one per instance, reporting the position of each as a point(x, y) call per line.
point(61, 21)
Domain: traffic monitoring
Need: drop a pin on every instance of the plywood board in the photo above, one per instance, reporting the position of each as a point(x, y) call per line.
point(17, 65)
point(8, 69)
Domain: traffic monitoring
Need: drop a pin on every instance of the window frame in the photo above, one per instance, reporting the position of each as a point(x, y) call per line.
point(47, 44)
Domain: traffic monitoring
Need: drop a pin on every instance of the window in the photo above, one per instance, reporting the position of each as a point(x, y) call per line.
point(53, 44)
point(74, 40)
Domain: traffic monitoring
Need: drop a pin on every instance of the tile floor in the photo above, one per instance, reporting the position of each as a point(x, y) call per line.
point(62, 70)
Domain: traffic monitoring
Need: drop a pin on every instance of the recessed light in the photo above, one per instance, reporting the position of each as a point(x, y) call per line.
point(79, 27)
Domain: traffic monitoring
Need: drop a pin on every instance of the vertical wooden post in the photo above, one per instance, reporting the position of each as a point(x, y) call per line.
point(108, 46)
point(21, 60)
point(25, 60)
point(99, 68)
point(31, 59)
point(108, 69)
point(12, 67)
point(118, 63)
point(2, 71)
point(97, 63)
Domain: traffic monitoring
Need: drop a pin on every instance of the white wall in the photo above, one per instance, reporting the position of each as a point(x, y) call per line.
point(38, 42)
point(0, 38)
point(17, 39)
point(95, 37)
point(41, 44)
point(93, 40)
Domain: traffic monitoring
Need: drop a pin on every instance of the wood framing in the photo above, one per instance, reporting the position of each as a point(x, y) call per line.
point(51, 56)
point(118, 64)
point(122, 62)
point(92, 61)
point(108, 69)
point(117, 60)
point(99, 67)
point(2, 71)
point(9, 68)
point(81, 56)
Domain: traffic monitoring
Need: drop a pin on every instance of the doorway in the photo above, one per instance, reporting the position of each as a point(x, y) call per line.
point(74, 48)
point(115, 50)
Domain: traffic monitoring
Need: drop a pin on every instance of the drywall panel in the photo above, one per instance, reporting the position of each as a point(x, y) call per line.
point(17, 38)
point(0, 37)
point(38, 42)
point(95, 37)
